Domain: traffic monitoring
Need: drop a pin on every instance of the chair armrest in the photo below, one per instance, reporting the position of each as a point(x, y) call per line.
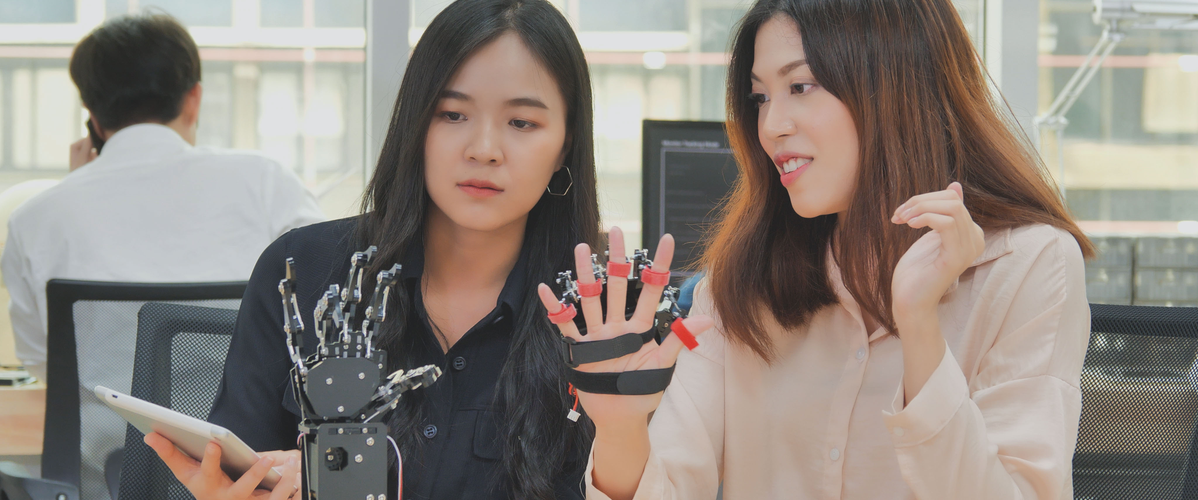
point(17, 484)
point(112, 472)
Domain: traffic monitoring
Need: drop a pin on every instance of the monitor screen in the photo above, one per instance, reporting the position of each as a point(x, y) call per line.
point(688, 169)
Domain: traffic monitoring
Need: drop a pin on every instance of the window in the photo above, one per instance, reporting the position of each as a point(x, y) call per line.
point(286, 77)
point(1131, 147)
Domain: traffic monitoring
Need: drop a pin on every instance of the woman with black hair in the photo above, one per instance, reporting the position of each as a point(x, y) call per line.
point(485, 183)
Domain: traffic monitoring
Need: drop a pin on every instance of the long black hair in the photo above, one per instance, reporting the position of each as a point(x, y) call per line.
point(532, 391)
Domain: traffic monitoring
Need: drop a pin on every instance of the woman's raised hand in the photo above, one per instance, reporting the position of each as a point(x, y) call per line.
point(609, 409)
point(938, 258)
point(207, 481)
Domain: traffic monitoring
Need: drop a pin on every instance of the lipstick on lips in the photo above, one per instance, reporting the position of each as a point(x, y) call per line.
point(791, 166)
point(479, 188)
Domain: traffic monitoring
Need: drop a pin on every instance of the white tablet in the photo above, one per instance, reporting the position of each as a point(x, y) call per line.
point(191, 435)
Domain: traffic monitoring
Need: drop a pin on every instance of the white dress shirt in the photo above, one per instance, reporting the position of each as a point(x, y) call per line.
point(150, 208)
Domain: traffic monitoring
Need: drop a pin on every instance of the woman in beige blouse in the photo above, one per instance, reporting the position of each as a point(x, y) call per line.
point(877, 335)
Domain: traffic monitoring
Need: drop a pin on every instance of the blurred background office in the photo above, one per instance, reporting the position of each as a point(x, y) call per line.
point(311, 83)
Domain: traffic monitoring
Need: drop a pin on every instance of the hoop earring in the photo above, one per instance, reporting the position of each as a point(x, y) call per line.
point(567, 190)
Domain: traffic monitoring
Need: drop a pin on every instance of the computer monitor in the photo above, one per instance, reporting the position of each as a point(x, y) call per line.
point(688, 170)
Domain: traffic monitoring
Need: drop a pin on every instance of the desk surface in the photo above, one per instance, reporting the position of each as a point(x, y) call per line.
point(22, 419)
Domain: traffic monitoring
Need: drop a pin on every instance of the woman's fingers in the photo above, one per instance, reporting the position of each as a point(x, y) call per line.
point(667, 352)
point(210, 470)
point(946, 194)
point(617, 285)
point(289, 485)
point(957, 188)
point(943, 224)
point(248, 482)
point(651, 294)
point(183, 466)
point(952, 208)
point(592, 307)
point(549, 300)
point(949, 202)
point(281, 457)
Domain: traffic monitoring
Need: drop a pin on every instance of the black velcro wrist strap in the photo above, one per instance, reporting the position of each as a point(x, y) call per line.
point(578, 353)
point(632, 383)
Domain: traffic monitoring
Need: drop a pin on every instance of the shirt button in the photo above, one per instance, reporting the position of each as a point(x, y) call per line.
point(861, 353)
point(459, 363)
point(430, 431)
point(835, 454)
point(898, 431)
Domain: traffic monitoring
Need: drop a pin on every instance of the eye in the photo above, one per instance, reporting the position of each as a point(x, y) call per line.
point(801, 88)
point(758, 98)
point(453, 116)
point(523, 124)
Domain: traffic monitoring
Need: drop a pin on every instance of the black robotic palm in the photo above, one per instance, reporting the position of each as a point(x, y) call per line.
point(341, 389)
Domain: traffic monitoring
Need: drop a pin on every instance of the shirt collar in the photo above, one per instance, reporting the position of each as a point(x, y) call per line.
point(141, 142)
point(514, 289)
point(998, 244)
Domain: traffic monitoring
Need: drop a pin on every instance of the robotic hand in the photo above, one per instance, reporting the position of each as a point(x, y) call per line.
point(341, 389)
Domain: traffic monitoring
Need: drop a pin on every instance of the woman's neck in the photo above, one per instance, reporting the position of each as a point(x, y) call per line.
point(460, 258)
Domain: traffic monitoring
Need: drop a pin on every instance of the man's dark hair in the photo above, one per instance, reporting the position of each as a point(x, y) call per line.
point(135, 69)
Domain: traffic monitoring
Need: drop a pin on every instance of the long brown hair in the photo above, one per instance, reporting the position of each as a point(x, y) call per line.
point(908, 74)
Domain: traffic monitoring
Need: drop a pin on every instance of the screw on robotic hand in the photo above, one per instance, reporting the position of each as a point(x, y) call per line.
point(565, 280)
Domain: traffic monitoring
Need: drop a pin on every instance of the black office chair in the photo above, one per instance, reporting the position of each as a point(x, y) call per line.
point(1137, 435)
point(16, 484)
point(180, 360)
point(92, 330)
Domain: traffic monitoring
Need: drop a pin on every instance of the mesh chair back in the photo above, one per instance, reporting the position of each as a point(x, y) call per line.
point(179, 363)
point(92, 332)
point(1139, 402)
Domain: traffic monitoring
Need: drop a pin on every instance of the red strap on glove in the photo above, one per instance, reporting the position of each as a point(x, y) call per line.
point(621, 269)
point(567, 313)
point(687, 338)
point(590, 289)
point(658, 278)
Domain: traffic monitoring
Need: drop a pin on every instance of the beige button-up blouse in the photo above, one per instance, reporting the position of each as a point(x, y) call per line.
point(997, 419)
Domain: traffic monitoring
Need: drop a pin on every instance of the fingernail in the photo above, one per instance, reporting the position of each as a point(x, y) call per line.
point(906, 213)
point(268, 460)
point(292, 461)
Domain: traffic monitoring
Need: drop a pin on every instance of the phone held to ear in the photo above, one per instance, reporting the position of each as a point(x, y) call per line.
point(97, 142)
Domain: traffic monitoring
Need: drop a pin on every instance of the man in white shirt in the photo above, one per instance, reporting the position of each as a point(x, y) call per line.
point(151, 207)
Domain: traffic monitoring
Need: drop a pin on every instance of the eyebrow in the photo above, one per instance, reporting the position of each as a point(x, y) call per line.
point(455, 95)
point(791, 66)
point(531, 102)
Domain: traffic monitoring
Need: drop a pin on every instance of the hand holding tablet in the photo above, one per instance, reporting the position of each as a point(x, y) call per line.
point(208, 459)
point(207, 481)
